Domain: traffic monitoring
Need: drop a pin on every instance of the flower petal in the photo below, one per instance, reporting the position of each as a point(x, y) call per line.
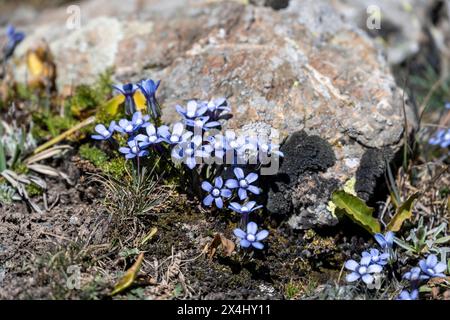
point(226, 193)
point(253, 189)
point(245, 243)
point(374, 268)
point(218, 183)
point(208, 200)
point(178, 129)
point(351, 277)
point(239, 173)
point(239, 233)
point(367, 278)
point(207, 186)
point(258, 245)
point(431, 261)
point(440, 267)
point(219, 203)
point(365, 261)
point(251, 177)
point(262, 235)
point(232, 183)
point(242, 194)
point(351, 265)
point(252, 228)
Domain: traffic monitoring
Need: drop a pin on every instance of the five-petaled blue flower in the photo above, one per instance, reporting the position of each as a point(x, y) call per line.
point(125, 126)
point(431, 267)
point(415, 274)
point(267, 148)
point(406, 295)
point(385, 241)
point(133, 150)
point(376, 257)
point(363, 270)
point(193, 110)
point(148, 88)
point(176, 136)
point(244, 208)
point(188, 151)
point(127, 90)
point(13, 39)
point(216, 192)
point(150, 138)
point(138, 120)
point(103, 133)
point(251, 237)
point(243, 183)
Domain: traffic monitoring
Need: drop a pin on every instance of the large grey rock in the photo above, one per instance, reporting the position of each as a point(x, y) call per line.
point(298, 69)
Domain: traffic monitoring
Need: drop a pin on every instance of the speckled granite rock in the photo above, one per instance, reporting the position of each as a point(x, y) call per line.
point(298, 69)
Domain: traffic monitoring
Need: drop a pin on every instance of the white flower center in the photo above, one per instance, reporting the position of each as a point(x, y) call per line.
point(429, 270)
point(375, 258)
point(134, 149)
point(215, 192)
point(189, 151)
point(362, 270)
point(129, 128)
point(105, 133)
point(152, 138)
point(198, 123)
point(139, 121)
point(244, 209)
point(174, 138)
point(251, 237)
point(243, 183)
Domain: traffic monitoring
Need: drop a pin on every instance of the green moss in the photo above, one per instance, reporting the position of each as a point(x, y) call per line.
point(114, 167)
point(94, 155)
point(292, 290)
point(47, 123)
point(34, 190)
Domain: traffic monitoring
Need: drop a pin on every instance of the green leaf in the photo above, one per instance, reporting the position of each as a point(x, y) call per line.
point(128, 278)
point(404, 212)
point(2, 158)
point(357, 210)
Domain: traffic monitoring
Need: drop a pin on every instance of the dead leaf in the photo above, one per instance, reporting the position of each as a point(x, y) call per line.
point(228, 246)
point(128, 278)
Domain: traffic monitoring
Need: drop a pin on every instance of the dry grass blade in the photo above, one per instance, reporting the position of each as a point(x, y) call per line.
point(46, 154)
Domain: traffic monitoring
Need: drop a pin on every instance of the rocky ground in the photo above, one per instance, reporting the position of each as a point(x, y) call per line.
point(305, 71)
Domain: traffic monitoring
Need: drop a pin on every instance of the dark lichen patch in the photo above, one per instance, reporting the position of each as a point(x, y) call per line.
point(305, 156)
point(370, 173)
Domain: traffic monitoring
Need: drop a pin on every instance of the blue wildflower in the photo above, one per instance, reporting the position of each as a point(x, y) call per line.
point(103, 133)
point(216, 107)
point(176, 136)
point(385, 241)
point(243, 183)
point(406, 295)
point(447, 105)
point(245, 208)
point(201, 123)
point(13, 39)
point(127, 90)
point(364, 270)
point(193, 110)
point(188, 152)
point(431, 267)
point(133, 150)
point(125, 126)
point(267, 148)
point(377, 257)
point(216, 192)
point(252, 237)
point(441, 138)
point(415, 274)
point(138, 120)
point(148, 88)
point(150, 138)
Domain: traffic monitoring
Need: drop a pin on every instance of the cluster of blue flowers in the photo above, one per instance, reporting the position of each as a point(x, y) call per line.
point(187, 145)
point(372, 261)
point(428, 268)
point(13, 38)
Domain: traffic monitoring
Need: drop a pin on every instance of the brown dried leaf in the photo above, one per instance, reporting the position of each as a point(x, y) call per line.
point(228, 246)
